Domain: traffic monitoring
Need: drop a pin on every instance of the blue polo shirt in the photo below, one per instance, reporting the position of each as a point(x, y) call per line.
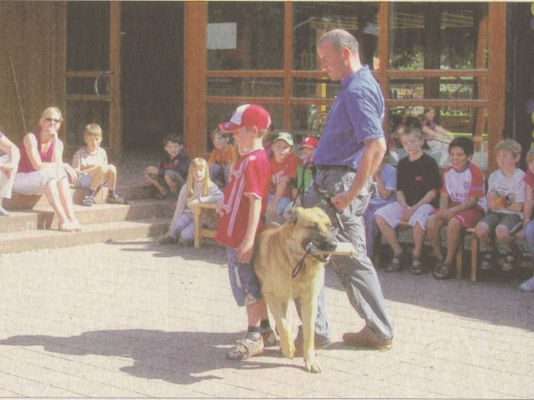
point(356, 115)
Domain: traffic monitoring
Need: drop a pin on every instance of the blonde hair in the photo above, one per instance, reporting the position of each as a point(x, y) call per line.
point(510, 145)
point(48, 113)
point(530, 155)
point(92, 130)
point(198, 162)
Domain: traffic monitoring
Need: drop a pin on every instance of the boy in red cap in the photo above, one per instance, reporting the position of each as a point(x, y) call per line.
point(242, 214)
point(304, 176)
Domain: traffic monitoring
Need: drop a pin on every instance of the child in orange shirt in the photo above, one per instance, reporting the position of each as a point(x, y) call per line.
point(222, 157)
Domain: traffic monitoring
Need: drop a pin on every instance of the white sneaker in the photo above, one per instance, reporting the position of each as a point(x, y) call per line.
point(527, 286)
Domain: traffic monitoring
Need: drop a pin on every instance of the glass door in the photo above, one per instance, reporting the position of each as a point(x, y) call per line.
point(93, 71)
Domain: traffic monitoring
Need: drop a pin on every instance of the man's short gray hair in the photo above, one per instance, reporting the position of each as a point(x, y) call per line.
point(340, 38)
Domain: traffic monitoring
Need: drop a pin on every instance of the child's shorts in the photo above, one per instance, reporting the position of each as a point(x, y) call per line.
point(392, 213)
point(468, 218)
point(245, 284)
point(513, 222)
point(173, 175)
point(84, 180)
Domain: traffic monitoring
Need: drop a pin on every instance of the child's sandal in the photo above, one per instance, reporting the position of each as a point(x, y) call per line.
point(417, 266)
point(88, 201)
point(488, 258)
point(163, 195)
point(512, 258)
point(394, 265)
point(442, 270)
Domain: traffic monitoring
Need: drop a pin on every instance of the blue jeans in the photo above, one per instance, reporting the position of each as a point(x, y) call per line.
point(357, 273)
point(282, 203)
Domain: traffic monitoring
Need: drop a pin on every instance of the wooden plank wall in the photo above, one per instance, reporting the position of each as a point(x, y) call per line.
point(33, 36)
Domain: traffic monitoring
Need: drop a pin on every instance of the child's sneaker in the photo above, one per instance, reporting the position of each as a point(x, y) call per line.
point(116, 199)
point(246, 348)
point(269, 338)
point(527, 286)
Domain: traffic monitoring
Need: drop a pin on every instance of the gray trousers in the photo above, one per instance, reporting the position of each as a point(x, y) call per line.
point(357, 274)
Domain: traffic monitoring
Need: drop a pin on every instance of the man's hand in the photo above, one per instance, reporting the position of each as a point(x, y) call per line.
point(342, 200)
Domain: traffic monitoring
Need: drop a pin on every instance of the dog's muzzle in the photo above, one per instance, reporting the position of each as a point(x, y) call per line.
point(321, 251)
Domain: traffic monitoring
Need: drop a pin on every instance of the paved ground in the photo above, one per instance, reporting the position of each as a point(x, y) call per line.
point(136, 319)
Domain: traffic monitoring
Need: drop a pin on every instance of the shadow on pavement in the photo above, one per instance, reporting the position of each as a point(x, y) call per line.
point(210, 252)
point(169, 356)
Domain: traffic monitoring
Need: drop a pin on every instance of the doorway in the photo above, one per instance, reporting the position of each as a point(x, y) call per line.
point(152, 62)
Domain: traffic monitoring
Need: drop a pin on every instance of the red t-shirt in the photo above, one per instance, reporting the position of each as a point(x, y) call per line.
point(250, 175)
point(287, 168)
point(529, 178)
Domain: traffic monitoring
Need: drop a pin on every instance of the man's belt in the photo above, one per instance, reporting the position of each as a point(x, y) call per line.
point(324, 167)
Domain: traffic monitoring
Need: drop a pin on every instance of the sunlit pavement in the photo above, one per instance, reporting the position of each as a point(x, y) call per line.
point(136, 319)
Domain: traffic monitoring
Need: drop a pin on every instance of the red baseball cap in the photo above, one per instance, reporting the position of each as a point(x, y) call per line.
point(309, 141)
point(248, 115)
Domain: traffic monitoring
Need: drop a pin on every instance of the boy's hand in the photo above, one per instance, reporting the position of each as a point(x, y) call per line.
point(407, 212)
point(152, 170)
point(271, 209)
point(446, 214)
point(245, 251)
point(71, 173)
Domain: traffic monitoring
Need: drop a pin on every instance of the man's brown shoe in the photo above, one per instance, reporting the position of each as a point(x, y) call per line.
point(361, 339)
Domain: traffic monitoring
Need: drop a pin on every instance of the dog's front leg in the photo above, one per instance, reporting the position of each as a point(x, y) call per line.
point(279, 308)
point(309, 315)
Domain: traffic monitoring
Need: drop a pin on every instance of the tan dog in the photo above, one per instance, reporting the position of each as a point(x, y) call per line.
point(279, 250)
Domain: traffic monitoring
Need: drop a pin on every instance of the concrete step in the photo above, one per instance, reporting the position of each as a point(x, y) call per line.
point(14, 242)
point(45, 218)
point(35, 202)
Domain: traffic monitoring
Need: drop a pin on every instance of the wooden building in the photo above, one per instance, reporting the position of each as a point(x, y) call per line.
point(144, 69)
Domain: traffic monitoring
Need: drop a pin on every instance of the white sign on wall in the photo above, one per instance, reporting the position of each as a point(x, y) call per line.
point(222, 36)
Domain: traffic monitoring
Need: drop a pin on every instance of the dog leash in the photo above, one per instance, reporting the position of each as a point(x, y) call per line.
point(300, 188)
point(300, 264)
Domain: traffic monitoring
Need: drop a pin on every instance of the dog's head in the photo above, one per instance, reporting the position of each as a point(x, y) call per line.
point(312, 227)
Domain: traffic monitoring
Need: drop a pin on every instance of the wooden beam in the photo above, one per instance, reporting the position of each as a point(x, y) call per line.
point(115, 122)
point(288, 63)
point(195, 64)
point(496, 78)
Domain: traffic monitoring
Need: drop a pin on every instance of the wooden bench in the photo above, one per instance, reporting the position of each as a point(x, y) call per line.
point(459, 255)
point(201, 210)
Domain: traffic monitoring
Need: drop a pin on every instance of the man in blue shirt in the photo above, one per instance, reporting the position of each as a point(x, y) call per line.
point(350, 150)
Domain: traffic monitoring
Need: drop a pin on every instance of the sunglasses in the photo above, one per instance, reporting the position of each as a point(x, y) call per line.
point(53, 120)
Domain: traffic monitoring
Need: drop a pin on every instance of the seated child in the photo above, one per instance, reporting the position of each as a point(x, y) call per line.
point(304, 176)
point(283, 171)
point(462, 204)
point(199, 188)
point(528, 225)
point(418, 182)
point(172, 172)
point(384, 182)
point(9, 164)
point(222, 157)
point(91, 164)
point(506, 197)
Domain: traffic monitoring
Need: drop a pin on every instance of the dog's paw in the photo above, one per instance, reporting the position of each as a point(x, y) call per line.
point(288, 349)
point(313, 366)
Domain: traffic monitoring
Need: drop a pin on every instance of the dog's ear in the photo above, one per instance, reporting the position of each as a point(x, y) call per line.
point(294, 215)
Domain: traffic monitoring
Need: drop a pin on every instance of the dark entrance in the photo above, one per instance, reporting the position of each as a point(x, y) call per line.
point(152, 62)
